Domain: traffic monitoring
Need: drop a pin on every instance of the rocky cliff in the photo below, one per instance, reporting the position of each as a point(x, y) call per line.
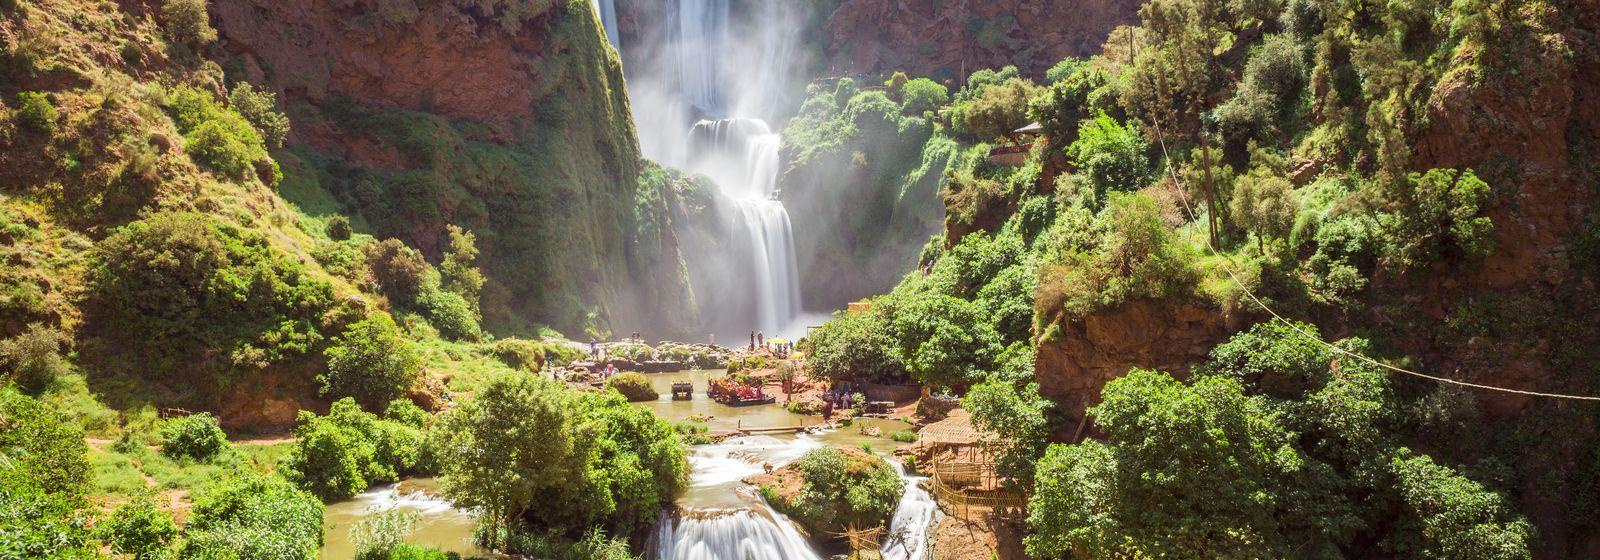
point(511, 120)
point(952, 38)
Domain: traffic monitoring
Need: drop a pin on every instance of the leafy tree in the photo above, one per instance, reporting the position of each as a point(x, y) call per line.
point(1186, 471)
point(1347, 249)
point(1111, 155)
point(945, 341)
point(32, 360)
point(188, 21)
point(195, 436)
point(1274, 358)
point(139, 529)
point(343, 453)
point(1009, 300)
point(982, 79)
point(459, 271)
point(922, 95)
point(370, 361)
point(997, 110)
point(1064, 69)
point(398, 269)
point(185, 288)
point(252, 516)
point(219, 137)
point(260, 107)
point(854, 346)
point(1071, 96)
point(1274, 80)
point(449, 312)
point(1018, 414)
point(528, 451)
point(1439, 215)
point(1265, 204)
point(36, 523)
point(1456, 517)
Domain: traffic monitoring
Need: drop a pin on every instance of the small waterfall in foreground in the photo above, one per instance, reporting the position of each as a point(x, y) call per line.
point(913, 518)
point(739, 534)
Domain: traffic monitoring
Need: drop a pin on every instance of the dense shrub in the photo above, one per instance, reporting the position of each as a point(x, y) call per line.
point(370, 361)
point(139, 529)
point(220, 138)
point(1009, 300)
point(843, 489)
point(252, 516)
point(458, 272)
point(1347, 250)
point(42, 445)
point(519, 354)
point(1111, 155)
point(530, 452)
point(338, 228)
point(343, 453)
point(1439, 215)
point(1264, 204)
point(35, 111)
point(997, 110)
point(854, 346)
point(32, 360)
point(195, 436)
point(185, 289)
point(634, 387)
point(398, 269)
point(921, 95)
point(448, 311)
point(376, 537)
point(1066, 101)
point(1274, 358)
point(1017, 414)
point(260, 107)
point(1135, 257)
point(40, 524)
point(188, 22)
point(945, 341)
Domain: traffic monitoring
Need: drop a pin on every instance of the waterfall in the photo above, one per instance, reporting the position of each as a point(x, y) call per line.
point(702, 27)
point(739, 534)
point(741, 156)
point(914, 516)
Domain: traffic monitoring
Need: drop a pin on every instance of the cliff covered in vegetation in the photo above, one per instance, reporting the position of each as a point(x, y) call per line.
point(1411, 184)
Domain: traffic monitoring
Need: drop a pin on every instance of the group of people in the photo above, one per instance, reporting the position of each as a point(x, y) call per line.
point(758, 339)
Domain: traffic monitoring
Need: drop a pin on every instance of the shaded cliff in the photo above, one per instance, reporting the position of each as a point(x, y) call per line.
point(953, 38)
point(510, 120)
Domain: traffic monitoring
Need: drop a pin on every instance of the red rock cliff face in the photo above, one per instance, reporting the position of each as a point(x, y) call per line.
point(956, 37)
point(443, 59)
point(1163, 335)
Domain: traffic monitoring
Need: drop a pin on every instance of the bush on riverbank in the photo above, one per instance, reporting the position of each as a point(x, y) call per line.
point(530, 452)
point(838, 489)
point(634, 387)
point(341, 454)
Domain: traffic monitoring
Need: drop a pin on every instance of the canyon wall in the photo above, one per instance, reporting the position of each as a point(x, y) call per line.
point(508, 119)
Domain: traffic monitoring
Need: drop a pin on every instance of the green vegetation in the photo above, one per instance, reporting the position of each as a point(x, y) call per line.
point(35, 111)
point(370, 362)
point(139, 529)
point(524, 443)
point(188, 21)
point(253, 516)
point(634, 387)
point(195, 437)
point(341, 454)
point(842, 489)
point(32, 360)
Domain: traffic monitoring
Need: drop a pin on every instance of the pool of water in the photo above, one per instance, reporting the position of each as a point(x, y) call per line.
point(715, 479)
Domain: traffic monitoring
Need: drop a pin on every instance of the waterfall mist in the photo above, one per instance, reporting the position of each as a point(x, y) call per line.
point(705, 81)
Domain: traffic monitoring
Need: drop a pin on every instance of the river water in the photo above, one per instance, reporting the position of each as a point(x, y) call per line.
point(718, 518)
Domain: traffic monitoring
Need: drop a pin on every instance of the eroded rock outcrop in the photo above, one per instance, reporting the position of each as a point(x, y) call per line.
point(955, 37)
point(1164, 335)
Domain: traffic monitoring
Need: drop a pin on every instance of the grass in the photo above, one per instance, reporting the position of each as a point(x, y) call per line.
point(115, 474)
point(265, 458)
point(904, 436)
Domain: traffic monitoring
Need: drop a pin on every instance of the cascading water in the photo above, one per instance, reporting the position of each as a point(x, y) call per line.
point(717, 74)
point(913, 516)
point(738, 534)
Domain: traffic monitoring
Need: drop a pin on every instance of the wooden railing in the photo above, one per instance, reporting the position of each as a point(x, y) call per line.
point(951, 482)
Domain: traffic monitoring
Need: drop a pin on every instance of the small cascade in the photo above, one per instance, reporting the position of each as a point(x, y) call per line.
point(737, 534)
point(915, 515)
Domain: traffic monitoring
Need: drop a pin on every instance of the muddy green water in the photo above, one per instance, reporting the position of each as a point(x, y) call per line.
point(716, 470)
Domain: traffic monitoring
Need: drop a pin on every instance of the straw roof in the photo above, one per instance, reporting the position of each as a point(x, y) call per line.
point(955, 429)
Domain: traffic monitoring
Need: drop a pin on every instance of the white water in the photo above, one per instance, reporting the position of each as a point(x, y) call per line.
point(916, 513)
point(704, 83)
point(739, 534)
point(607, 9)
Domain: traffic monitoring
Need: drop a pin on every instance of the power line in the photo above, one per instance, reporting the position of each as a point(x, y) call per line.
point(1183, 196)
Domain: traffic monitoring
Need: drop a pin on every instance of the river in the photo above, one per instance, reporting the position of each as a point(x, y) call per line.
point(718, 518)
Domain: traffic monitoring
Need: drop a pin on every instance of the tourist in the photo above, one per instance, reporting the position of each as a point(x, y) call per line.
point(827, 410)
point(761, 338)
